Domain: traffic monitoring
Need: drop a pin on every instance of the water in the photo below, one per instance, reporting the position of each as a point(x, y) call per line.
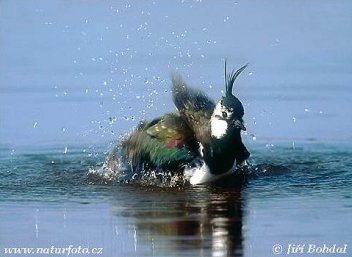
point(77, 76)
point(292, 196)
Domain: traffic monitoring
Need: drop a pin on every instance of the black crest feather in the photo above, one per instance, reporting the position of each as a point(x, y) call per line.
point(231, 77)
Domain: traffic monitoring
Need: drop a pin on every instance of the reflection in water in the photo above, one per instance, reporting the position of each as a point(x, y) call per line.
point(204, 221)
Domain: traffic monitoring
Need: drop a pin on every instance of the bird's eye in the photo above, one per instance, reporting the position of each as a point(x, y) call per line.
point(224, 114)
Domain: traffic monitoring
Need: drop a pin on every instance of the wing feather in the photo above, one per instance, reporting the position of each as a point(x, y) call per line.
point(165, 142)
point(194, 106)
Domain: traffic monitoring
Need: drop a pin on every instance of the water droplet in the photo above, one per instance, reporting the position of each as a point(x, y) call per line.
point(35, 124)
point(269, 146)
point(63, 129)
point(294, 119)
point(253, 137)
point(306, 109)
point(112, 120)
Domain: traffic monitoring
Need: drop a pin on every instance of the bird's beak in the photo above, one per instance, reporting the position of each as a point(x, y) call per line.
point(239, 125)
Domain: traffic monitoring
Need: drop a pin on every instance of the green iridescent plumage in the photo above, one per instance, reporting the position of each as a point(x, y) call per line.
point(160, 143)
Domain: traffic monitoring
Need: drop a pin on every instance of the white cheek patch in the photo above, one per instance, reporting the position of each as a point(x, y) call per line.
point(219, 108)
point(218, 127)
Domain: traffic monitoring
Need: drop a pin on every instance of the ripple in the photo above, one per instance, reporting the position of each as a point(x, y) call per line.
point(51, 174)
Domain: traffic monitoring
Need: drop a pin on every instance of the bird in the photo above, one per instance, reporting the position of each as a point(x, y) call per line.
point(200, 141)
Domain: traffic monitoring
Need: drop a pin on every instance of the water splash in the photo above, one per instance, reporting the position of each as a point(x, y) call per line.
point(101, 175)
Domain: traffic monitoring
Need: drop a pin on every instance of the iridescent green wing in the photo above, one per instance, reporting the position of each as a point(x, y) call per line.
point(166, 142)
point(172, 130)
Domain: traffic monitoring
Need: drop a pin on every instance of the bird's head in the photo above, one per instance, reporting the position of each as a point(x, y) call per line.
point(227, 117)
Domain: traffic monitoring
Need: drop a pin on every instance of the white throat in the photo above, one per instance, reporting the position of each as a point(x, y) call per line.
point(218, 124)
point(218, 127)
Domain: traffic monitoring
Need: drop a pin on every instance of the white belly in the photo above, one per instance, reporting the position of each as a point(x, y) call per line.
point(201, 175)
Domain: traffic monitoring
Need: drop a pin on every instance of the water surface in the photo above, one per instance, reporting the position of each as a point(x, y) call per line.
point(299, 195)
